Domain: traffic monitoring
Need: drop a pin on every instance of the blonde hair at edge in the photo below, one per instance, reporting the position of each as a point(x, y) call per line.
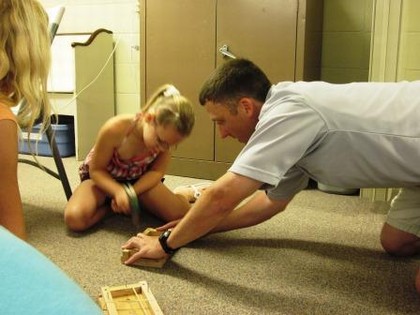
point(171, 108)
point(25, 59)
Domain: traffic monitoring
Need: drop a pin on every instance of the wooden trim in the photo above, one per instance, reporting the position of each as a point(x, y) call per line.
point(143, 17)
point(378, 194)
point(386, 31)
point(309, 20)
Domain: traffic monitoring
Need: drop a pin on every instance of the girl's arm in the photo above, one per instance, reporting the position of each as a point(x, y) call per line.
point(110, 137)
point(11, 213)
point(155, 173)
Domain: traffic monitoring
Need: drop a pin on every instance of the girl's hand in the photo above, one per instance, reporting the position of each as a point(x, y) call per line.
point(147, 246)
point(121, 203)
point(168, 225)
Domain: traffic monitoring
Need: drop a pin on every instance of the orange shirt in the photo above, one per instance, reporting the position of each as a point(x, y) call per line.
point(6, 113)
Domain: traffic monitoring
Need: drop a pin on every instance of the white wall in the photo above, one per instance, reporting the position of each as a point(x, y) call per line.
point(122, 18)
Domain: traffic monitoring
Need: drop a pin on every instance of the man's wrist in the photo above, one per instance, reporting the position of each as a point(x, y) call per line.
point(163, 240)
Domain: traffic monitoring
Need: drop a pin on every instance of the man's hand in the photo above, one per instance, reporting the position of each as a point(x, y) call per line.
point(148, 247)
point(169, 225)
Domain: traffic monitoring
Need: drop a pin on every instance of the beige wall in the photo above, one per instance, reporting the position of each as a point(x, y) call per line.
point(346, 40)
point(409, 53)
point(122, 18)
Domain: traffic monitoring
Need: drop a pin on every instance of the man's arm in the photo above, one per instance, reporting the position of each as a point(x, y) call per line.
point(213, 211)
point(258, 209)
point(213, 206)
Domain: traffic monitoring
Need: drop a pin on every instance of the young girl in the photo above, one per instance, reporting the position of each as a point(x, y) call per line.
point(24, 67)
point(123, 171)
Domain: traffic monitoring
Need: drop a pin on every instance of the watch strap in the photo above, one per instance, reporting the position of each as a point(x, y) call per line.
point(163, 240)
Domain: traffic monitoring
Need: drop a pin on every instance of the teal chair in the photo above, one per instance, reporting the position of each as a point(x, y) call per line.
point(32, 284)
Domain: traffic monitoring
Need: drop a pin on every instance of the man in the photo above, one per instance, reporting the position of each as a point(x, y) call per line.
point(347, 135)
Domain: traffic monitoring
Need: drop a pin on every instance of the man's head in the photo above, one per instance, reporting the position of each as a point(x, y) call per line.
point(233, 97)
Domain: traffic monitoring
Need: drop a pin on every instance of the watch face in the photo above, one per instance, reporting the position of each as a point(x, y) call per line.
point(165, 234)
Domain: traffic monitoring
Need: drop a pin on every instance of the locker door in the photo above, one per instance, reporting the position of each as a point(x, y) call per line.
point(179, 49)
point(263, 31)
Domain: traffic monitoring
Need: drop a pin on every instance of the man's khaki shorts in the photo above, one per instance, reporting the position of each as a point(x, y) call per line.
point(404, 213)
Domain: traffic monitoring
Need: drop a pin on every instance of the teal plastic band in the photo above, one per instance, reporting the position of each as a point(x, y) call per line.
point(134, 203)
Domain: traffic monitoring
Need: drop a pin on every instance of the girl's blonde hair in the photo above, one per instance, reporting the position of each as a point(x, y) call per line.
point(170, 107)
point(25, 59)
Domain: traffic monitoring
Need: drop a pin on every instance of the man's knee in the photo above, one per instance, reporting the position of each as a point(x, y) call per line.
point(399, 243)
point(418, 281)
point(391, 247)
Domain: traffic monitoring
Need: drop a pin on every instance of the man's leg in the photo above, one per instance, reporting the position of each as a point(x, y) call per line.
point(400, 234)
point(399, 243)
point(418, 281)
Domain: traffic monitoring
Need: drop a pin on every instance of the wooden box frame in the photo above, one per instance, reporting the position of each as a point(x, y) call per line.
point(129, 299)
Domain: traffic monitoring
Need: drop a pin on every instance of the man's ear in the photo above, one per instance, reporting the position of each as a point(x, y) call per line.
point(247, 105)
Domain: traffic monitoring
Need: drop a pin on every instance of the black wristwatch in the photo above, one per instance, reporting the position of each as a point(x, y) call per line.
point(163, 239)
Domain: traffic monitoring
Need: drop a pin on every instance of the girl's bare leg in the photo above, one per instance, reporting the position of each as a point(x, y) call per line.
point(163, 203)
point(86, 207)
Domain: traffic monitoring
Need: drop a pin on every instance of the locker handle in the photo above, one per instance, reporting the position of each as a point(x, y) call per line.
point(224, 50)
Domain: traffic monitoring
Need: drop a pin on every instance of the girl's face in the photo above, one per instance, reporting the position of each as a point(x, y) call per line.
point(158, 138)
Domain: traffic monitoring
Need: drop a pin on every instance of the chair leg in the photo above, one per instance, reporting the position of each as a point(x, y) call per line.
point(58, 162)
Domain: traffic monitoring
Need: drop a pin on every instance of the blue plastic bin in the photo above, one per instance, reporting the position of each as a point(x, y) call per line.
point(64, 137)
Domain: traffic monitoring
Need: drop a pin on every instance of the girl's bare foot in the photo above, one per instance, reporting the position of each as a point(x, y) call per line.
point(191, 192)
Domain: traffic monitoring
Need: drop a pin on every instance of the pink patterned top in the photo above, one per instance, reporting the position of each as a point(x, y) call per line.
point(119, 169)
